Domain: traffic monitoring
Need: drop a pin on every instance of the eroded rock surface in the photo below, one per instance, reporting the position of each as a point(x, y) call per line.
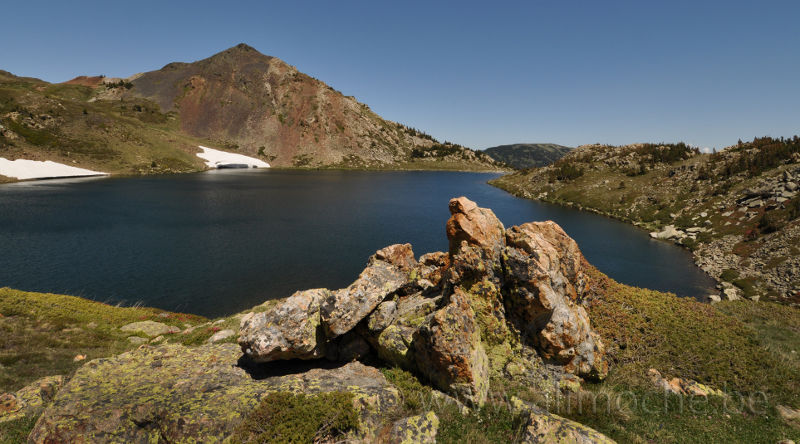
point(173, 393)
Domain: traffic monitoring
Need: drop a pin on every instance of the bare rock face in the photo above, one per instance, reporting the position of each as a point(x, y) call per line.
point(291, 330)
point(387, 271)
point(449, 351)
point(546, 282)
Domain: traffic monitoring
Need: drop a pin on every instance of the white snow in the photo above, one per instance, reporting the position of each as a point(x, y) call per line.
point(23, 169)
point(216, 158)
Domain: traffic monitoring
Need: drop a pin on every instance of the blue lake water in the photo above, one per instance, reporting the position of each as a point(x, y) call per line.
point(218, 242)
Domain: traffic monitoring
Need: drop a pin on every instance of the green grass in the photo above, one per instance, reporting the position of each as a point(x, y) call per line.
point(492, 423)
point(40, 334)
point(740, 347)
point(17, 431)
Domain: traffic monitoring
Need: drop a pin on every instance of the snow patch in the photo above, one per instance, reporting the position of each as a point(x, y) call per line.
point(223, 159)
point(23, 169)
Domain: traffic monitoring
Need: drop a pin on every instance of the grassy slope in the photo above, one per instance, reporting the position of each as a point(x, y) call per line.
point(740, 347)
point(59, 123)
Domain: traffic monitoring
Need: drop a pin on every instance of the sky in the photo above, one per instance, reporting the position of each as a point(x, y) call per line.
point(476, 73)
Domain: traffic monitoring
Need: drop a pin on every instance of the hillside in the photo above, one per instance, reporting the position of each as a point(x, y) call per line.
point(527, 155)
point(738, 210)
point(238, 100)
point(452, 347)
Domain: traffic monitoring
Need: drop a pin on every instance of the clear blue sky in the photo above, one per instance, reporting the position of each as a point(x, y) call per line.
point(477, 73)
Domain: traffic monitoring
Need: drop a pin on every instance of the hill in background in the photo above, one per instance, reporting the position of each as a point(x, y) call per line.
point(527, 155)
point(238, 100)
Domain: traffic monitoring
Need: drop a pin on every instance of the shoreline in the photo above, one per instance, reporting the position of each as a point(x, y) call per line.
point(572, 205)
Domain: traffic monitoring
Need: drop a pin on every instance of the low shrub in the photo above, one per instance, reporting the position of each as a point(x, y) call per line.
point(297, 418)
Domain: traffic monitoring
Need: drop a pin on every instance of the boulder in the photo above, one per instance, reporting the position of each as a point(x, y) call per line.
point(419, 429)
point(150, 328)
point(221, 335)
point(173, 393)
point(789, 415)
point(682, 386)
point(291, 330)
point(546, 283)
point(543, 427)
point(669, 232)
point(29, 400)
point(448, 351)
point(386, 272)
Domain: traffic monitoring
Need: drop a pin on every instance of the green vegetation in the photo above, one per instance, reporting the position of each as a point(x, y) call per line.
point(759, 155)
point(527, 155)
point(41, 334)
point(739, 347)
point(17, 431)
point(667, 152)
point(437, 150)
point(296, 418)
point(495, 422)
point(566, 171)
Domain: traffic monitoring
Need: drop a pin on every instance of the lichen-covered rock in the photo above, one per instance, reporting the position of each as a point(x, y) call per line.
point(221, 335)
point(545, 285)
point(543, 427)
point(430, 270)
point(449, 352)
point(291, 330)
point(386, 272)
point(419, 429)
point(30, 399)
point(173, 393)
point(150, 328)
point(393, 342)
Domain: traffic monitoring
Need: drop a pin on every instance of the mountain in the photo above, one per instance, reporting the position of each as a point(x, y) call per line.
point(738, 210)
point(527, 155)
point(238, 100)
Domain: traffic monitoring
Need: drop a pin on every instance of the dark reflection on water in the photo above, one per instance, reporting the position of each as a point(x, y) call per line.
point(219, 242)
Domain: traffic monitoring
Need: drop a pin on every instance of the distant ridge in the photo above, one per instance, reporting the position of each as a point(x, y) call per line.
point(527, 155)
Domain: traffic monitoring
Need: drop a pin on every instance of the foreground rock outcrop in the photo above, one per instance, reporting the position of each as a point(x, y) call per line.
point(173, 393)
point(504, 302)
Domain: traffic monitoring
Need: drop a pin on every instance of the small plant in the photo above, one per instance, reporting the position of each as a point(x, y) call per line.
point(298, 418)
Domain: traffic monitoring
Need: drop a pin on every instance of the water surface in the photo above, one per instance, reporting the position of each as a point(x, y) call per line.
point(218, 242)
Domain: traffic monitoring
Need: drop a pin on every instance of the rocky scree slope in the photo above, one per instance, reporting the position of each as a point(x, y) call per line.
point(738, 210)
point(527, 155)
point(501, 303)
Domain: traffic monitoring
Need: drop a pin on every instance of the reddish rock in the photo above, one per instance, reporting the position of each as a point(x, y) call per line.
point(545, 284)
point(449, 352)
